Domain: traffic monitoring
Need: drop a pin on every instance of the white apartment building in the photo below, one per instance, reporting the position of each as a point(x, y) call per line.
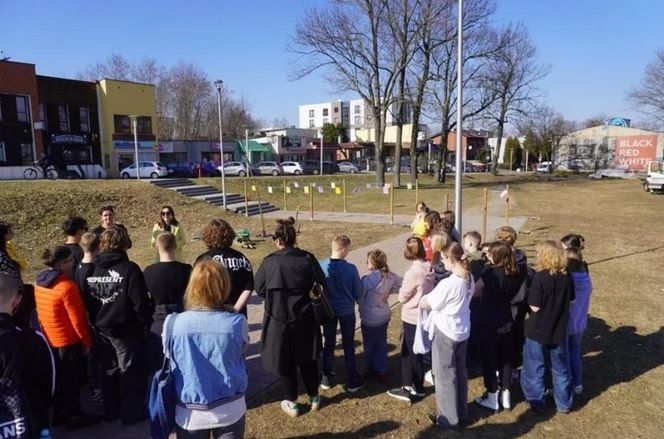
point(314, 116)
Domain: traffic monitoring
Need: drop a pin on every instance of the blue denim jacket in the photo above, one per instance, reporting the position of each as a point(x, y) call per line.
point(206, 357)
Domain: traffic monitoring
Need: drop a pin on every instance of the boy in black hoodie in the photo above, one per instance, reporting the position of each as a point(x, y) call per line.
point(123, 316)
point(36, 372)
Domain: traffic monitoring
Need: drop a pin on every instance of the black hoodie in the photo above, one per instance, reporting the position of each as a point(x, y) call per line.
point(118, 286)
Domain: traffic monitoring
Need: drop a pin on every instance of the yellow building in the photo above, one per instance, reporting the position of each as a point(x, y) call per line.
point(118, 100)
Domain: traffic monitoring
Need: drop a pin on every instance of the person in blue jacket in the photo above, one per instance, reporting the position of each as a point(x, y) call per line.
point(344, 290)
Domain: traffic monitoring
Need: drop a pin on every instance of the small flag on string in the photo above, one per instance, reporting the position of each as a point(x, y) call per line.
point(320, 189)
point(505, 194)
point(333, 185)
point(386, 190)
point(269, 189)
point(306, 189)
point(409, 186)
point(356, 190)
point(368, 185)
point(253, 188)
point(288, 189)
point(296, 184)
point(337, 190)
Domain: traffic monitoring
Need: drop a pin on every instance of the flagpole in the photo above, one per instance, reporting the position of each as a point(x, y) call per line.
point(459, 128)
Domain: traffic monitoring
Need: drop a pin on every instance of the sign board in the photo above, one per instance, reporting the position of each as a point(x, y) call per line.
point(633, 152)
point(70, 138)
point(129, 144)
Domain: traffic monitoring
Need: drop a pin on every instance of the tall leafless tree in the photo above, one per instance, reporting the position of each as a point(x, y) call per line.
point(545, 128)
point(649, 94)
point(350, 42)
point(513, 73)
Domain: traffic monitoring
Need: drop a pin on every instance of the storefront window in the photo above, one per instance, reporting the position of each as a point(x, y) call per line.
point(26, 154)
point(122, 124)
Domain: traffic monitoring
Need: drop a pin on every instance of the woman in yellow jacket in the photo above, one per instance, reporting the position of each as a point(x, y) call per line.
point(168, 223)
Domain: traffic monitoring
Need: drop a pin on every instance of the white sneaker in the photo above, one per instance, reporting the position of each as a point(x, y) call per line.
point(489, 400)
point(506, 400)
point(578, 389)
point(428, 377)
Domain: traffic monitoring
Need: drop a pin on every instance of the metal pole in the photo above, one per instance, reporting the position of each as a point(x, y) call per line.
point(285, 194)
point(219, 84)
point(321, 153)
point(246, 145)
point(246, 199)
point(344, 189)
point(459, 164)
point(484, 214)
point(138, 168)
point(391, 204)
point(311, 200)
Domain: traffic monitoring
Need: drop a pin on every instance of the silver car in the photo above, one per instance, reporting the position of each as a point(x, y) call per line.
point(267, 168)
point(348, 167)
point(234, 168)
point(291, 168)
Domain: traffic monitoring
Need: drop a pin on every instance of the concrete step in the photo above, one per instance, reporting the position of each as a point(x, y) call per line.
point(254, 210)
point(197, 190)
point(171, 182)
point(218, 199)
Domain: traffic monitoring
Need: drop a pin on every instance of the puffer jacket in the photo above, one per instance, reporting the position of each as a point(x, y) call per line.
point(60, 310)
point(417, 282)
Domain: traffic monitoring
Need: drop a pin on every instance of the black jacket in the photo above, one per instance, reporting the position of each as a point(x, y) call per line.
point(118, 286)
point(37, 371)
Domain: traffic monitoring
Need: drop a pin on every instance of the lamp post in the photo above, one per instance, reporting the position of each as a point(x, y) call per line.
point(218, 84)
point(134, 123)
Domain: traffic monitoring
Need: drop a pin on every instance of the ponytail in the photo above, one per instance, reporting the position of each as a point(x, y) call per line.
point(454, 251)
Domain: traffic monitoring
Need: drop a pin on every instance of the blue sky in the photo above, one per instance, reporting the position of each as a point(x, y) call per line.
point(596, 49)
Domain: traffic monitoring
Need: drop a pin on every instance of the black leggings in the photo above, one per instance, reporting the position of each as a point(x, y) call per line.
point(497, 351)
point(309, 372)
point(412, 365)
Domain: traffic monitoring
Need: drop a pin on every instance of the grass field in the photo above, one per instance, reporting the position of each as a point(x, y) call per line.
point(624, 343)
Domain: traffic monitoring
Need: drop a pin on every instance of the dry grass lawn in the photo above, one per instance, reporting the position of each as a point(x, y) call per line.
point(624, 343)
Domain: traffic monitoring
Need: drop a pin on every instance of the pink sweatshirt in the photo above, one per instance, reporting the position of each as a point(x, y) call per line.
point(417, 282)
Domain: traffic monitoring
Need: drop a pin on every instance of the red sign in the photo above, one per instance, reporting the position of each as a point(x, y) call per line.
point(635, 151)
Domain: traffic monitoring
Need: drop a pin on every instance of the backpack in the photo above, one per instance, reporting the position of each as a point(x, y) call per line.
point(15, 417)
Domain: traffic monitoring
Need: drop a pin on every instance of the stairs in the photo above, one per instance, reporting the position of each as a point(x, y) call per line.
point(234, 202)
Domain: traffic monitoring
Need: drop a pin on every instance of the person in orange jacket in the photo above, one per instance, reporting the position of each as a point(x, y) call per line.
point(63, 319)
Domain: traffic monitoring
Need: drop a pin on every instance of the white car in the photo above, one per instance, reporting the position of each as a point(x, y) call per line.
point(544, 168)
point(348, 167)
point(146, 170)
point(234, 168)
point(291, 168)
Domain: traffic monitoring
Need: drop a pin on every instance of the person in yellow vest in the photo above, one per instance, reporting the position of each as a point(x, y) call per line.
point(418, 225)
point(168, 223)
point(11, 249)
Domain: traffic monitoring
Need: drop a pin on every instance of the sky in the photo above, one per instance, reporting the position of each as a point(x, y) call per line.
point(597, 49)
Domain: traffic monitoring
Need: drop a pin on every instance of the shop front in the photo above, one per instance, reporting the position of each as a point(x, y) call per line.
point(125, 153)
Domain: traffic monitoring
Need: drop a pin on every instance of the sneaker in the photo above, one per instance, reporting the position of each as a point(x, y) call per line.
point(416, 394)
point(95, 395)
point(440, 424)
point(325, 382)
point(356, 387)
point(489, 401)
point(428, 377)
point(578, 389)
point(506, 400)
point(81, 420)
point(401, 393)
point(290, 408)
point(315, 403)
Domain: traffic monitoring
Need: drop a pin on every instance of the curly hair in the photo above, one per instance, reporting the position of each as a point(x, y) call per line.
point(549, 256)
point(218, 234)
point(506, 234)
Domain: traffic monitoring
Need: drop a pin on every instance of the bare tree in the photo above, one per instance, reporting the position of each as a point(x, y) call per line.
point(115, 66)
point(512, 75)
point(649, 94)
point(544, 128)
point(350, 41)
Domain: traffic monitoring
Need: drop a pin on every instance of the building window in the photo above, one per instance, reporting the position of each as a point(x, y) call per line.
point(358, 120)
point(336, 109)
point(325, 120)
point(84, 115)
point(336, 120)
point(42, 115)
point(22, 109)
point(311, 123)
point(357, 109)
point(325, 112)
point(311, 113)
point(144, 125)
point(3, 155)
point(26, 153)
point(63, 116)
point(122, 125)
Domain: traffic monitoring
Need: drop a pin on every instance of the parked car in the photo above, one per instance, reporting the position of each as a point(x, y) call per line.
point(234, 168)
point(348, 167)
point(544, 168)
point(181, 169)
point(292, 168)
point(146, 170)
point(267, 168)
point(313, 167)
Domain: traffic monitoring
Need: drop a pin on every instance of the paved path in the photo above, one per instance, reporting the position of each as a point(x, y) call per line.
point(259, 379)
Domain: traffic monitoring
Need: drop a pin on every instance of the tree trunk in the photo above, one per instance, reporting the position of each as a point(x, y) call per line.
point(396, 170)
point(379, 133)
point(499, 139)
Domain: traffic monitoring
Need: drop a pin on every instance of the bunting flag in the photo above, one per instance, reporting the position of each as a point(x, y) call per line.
point(296, 184)
point(337, 190)
point(368, 185)
point(356, 190)
point(320, 189)
point(333, 185)
point(386, 190)
point(409, 186)
point(288, 190)
point(505, 194)
point(269, 189)
point(306, 189)
point(253, 188)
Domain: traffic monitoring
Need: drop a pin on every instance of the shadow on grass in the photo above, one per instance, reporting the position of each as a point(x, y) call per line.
point(626, 255)
point(627, 354)
point(368, 431)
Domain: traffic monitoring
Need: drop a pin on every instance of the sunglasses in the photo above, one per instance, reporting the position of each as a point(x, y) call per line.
point(167, 213)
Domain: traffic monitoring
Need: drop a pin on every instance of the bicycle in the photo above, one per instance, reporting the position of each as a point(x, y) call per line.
point(35, 170)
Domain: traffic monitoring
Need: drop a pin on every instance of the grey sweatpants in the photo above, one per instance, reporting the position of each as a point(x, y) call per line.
point(450, 378)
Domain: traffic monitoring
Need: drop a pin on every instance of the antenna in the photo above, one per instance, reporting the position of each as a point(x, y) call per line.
point(3, 57)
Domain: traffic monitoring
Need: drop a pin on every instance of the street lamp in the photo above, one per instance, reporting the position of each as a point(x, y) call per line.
point(134, 123)
point(218, 84)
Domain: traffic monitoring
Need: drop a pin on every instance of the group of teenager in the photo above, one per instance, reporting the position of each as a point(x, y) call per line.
point(93, 315)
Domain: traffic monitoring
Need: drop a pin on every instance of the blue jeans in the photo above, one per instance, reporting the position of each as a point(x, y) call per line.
point(532, 375)
point(375, 347)
point(575, 358)
point(347, 324)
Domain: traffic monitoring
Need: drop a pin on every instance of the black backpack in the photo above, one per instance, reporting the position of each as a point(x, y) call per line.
point(15, 417)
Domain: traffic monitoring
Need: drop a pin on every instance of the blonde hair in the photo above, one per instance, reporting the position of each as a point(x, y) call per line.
point(208, 287)
point(549, 256)
point(506, 234)
point(166, 240)
point(340, 242)
point(378, 260)
point(438, 242)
